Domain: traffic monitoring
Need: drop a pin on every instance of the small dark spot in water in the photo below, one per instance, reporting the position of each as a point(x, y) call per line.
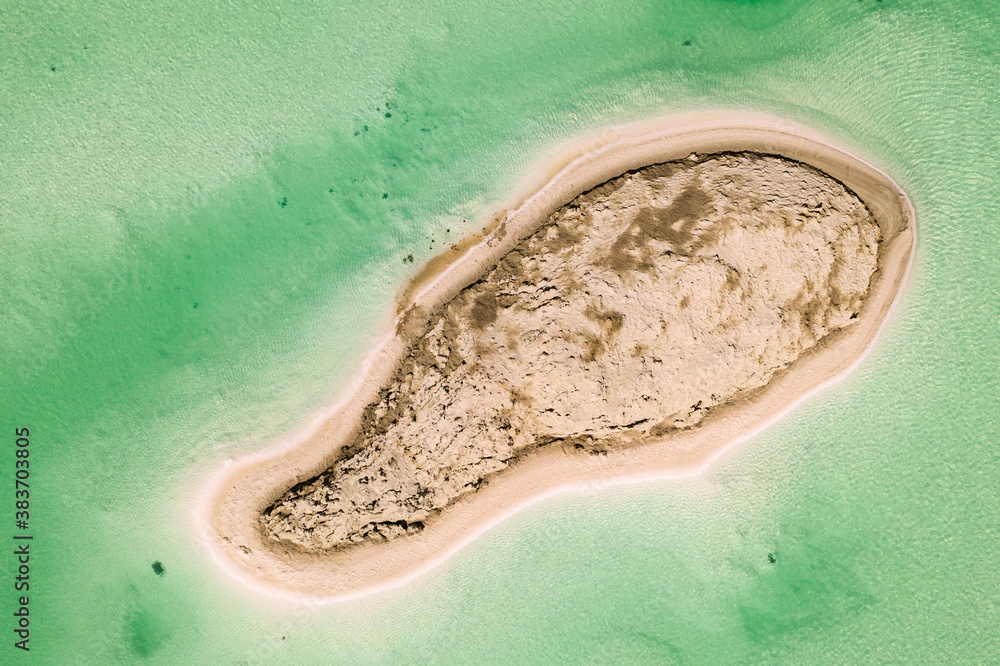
point(365, 128)
point(195, 306)
point(356, 133)
point(85, 48)
point(388, 115)
point(687, 42)
point(282, 638)
point(409, 258)
point(158, 566)
point(53, 68)
point(331, 190)
point(283, 202)
point(447, 231)
point(771, 558)
point(385, 195)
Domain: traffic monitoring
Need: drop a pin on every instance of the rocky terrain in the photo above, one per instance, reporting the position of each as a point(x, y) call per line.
point(631, 312)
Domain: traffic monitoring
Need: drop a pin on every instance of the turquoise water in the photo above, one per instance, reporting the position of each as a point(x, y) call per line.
point(203, 221)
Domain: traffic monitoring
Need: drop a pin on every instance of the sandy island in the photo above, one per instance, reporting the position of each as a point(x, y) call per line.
point(669, 289)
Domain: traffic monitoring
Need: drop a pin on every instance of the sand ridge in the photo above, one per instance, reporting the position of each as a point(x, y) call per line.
point(242, 544)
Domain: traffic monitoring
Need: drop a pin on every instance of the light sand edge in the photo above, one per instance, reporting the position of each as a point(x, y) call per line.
point(243, 489)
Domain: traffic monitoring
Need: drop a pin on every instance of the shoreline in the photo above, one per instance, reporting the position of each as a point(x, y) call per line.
point(241, 490)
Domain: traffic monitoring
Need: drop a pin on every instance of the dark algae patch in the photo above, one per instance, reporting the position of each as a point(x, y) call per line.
point(158, 568)
point(144, 633)
point(817, 579)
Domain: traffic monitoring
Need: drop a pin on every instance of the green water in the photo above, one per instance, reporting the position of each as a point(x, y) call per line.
point(203, 218)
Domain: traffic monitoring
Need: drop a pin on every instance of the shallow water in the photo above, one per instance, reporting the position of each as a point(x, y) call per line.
point(204, 221)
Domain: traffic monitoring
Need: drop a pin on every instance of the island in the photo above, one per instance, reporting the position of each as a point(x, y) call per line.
point(661, 293)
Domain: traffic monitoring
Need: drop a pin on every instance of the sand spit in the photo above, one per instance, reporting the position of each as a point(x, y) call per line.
point(666, 293)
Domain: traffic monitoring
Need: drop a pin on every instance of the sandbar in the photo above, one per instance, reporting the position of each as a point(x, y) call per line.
point(553, 293)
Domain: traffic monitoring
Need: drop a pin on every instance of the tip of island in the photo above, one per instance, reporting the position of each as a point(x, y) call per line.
point(661, 292)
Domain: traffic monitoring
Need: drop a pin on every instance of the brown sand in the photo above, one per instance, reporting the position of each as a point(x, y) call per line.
point(796, 315)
